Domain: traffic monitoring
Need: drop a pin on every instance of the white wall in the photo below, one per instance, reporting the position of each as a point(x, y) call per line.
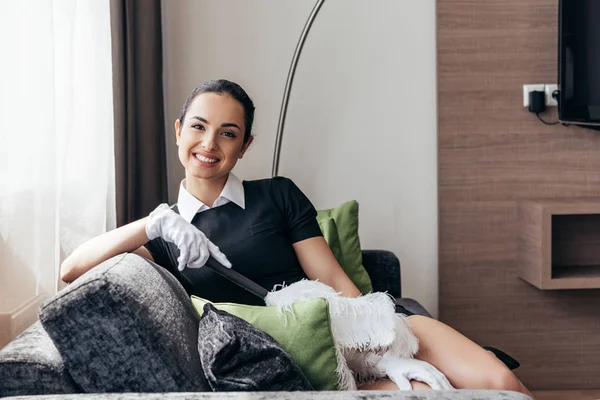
point(362, 116)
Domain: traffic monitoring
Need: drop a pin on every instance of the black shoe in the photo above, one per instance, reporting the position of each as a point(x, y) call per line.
point(510, 362)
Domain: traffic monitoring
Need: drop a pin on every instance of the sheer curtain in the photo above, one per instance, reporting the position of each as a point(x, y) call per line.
point(56, 140)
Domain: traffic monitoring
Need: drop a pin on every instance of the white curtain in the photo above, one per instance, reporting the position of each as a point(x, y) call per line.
point(56, 139)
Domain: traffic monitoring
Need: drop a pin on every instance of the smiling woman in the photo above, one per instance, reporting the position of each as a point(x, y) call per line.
point(208, 149)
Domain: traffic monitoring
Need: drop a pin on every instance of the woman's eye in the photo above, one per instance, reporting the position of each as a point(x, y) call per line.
point(198, 126)
point(229, 134)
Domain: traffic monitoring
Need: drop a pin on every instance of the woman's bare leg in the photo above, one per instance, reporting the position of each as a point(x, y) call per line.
point(465, 364)
point(387, 384)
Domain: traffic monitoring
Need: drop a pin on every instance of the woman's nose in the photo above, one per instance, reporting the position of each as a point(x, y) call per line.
point(209, 141)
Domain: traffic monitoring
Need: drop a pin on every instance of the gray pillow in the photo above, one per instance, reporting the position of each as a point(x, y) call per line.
point(236, 356)
point(126, 325)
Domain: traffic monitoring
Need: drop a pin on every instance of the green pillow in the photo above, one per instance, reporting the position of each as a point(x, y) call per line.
point(345, 218)
point(307, 337)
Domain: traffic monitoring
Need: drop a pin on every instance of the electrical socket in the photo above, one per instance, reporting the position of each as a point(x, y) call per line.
point(547, 88)
point(551, 101)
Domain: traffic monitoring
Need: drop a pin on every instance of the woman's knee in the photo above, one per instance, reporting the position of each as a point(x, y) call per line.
point(502, 379)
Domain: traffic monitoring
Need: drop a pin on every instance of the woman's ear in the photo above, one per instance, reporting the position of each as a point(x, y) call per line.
point(245, 146)
point(177, 131)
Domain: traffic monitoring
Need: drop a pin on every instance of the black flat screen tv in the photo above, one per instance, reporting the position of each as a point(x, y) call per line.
point(579, 61)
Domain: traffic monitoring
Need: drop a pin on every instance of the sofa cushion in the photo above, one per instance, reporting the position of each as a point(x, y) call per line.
point(236, 356)
point(126, 326)
point(31, 365)
point(345, 217)
point(305, 334)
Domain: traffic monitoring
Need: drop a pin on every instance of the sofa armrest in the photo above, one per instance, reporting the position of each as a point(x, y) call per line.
point(413, 306)
point(31, 365)
point(383, 268)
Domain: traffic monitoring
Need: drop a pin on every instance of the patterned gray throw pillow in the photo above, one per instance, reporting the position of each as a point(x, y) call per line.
point(127, 325)
point(236, 356)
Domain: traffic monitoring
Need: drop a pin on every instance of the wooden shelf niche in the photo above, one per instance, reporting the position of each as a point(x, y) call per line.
point(559, 247)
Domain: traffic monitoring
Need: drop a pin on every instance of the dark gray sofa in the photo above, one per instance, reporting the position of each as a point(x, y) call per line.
point(133, 305)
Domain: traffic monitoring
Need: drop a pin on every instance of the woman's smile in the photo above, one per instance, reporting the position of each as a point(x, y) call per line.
point(206, 160)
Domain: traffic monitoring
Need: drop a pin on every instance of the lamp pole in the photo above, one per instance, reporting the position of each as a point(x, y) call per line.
point(288, 86)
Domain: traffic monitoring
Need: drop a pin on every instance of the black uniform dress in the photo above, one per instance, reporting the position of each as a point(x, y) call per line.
point(257, 241)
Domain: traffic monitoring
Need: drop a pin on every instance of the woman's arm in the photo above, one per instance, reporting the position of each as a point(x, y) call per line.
point(128, 238)
point(318, 262)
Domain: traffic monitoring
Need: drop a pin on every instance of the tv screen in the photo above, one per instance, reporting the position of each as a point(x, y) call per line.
point(579, 61)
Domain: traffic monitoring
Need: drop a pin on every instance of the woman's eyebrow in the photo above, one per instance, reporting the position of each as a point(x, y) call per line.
point(201, 119)
point(230, 125)
point(225, 125)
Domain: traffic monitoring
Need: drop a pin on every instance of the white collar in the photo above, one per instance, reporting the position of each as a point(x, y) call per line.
point(188, 205)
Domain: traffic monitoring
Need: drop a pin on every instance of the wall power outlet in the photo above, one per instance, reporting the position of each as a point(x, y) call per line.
point(547, 88)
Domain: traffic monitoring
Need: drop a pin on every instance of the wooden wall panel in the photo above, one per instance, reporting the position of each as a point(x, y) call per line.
point(492, 154)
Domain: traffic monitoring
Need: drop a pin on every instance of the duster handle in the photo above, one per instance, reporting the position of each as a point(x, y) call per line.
point(237, 278)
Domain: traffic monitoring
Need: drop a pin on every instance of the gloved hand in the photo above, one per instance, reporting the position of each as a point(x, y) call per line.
point(402, 370)
point(194, 247)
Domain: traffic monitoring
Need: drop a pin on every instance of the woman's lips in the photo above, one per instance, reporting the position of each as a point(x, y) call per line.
point(206, 161)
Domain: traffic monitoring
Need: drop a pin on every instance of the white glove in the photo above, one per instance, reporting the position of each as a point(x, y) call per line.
point(402, 370)
point(194, 247)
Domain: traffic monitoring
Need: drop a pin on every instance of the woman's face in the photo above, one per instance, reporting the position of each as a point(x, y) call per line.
point(211, 138)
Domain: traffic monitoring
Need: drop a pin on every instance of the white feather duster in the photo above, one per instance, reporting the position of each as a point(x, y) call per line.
point(364, 328)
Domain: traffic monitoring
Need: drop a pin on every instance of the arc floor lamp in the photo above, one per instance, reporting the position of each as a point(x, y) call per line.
point(288, 86)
